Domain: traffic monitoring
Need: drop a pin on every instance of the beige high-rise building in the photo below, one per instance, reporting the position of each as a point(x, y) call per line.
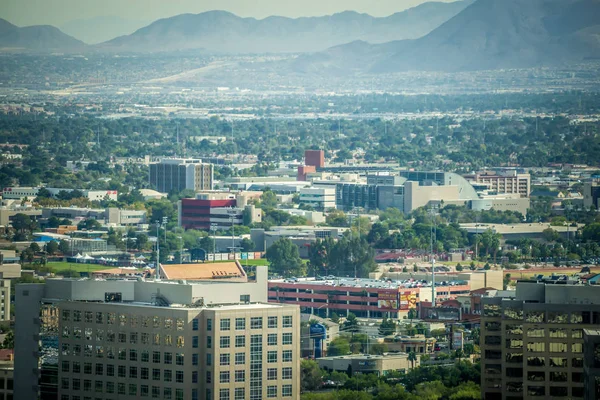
point(158, 339)
point(177, 174)
point(532, 344)
point(504, 183)
point(4, 300)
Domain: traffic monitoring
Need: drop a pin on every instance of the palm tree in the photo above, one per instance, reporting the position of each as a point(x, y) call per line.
point(412, 357)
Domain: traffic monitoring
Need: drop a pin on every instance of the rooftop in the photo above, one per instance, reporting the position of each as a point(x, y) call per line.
point(367, 283)
point(366, 357)
point(517, 228)
point(202, 271)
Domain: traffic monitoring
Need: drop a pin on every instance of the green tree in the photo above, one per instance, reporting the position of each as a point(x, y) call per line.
point(23, 224)
point(268, 200)
point(52, 247)
point(311, 376)
point(412, 357)
point(459, 267)
point(378, 348)
point(64, 247)
point(9, 340)
point(351, 323)
point(35, 247)
point(247, 245)
point(337, 218)
point(339, 346)
point(387, 327)
point(335, 318)
point(284, 258)
point(89, 224)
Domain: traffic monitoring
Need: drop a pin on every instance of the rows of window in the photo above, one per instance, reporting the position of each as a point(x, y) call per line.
point(110, 336)
point(240, 393)
point(552, 347)
point(240, 340)
point(557, 362)
point(240, 375)
point(111, 318)
point(123, 354)
point(121, 388)
point(121, 371)
point(226, 359)
point(225, 324)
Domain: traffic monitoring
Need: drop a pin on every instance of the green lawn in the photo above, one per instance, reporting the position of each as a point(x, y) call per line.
point(261, 261)
point(63, 268)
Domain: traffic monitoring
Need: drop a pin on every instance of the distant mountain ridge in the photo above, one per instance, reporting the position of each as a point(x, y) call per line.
point(36, 38)
point(488, 34)
point(221, 31)
point(100, 29)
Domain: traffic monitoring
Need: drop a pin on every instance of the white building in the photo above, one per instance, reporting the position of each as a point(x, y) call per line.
point(19, 193)
point(320, 198)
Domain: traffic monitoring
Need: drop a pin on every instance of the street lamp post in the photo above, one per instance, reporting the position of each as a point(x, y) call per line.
point(213, 228)
point(157, 267)
point(180, 250)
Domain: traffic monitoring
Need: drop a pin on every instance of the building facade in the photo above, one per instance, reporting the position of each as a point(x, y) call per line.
point(220, 214)
point(177, 174)
point(19, 193)
point(157, 339)
point(315, 158)
point(509, 182)
point(532, 342)
point(363, 298)
point(4, 299)
point(320, 198)
point(591, 194)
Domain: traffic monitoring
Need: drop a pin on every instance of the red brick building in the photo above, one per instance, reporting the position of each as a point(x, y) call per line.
point(315, 158)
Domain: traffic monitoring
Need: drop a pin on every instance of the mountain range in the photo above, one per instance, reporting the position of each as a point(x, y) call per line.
point(488, 34)
point(459, 36)
point(101, 29)
point(36, 38)
point(221, 31)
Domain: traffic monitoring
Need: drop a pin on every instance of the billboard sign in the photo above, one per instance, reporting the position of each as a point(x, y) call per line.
point(388, 299)
point(408, 300)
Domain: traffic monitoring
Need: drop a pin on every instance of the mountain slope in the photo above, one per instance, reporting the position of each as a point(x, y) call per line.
point(489, 34)
point(36, 38)
point(100, 29)
point(225, 32)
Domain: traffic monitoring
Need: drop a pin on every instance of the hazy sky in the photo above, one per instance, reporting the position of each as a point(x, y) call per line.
point(57, 12)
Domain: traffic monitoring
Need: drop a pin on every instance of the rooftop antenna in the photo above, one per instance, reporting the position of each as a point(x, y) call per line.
point(432, 257)
point(177, 129)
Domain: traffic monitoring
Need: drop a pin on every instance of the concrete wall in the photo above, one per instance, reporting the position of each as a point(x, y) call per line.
point(416, 196)
point(28, 298)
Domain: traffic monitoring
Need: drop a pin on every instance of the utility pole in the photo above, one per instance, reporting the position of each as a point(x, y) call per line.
point(476, 236)
point(432, 260)
point(213, 228)
point(157, 268)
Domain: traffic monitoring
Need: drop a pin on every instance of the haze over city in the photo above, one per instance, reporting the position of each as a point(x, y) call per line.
point(299, 200)
point(58, 12)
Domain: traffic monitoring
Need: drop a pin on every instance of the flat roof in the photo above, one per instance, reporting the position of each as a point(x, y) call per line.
point(202, 271)
point(366, 357)
point(506, 229)
point(362, 283)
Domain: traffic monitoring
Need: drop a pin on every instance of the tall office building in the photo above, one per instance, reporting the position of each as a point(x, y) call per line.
point(532, 343)
point(506, 182)
point(591, 194)
point(175, 340)
point(177, 174)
